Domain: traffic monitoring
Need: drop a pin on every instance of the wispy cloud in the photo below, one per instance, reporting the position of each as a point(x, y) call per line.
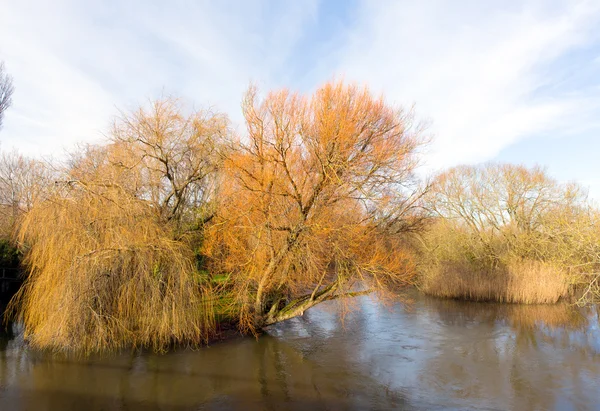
point(476, 69)
point(73, 62)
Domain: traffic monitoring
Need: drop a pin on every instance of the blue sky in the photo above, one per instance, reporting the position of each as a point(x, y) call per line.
point(511, 81)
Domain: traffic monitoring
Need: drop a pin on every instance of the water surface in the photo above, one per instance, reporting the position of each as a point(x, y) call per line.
point(435, 354)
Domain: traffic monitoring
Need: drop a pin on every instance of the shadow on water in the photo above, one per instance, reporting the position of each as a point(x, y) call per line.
point(243, 373)
point(7, 329)
point(434, 355)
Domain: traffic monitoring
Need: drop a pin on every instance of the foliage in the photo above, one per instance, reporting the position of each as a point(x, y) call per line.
point(108, 264)
point(10, 256)
point(314, 200)
point(105, 274)
point(508, 233)
point(176, 223)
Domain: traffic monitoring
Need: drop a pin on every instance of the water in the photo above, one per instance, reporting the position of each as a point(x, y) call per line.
point(435, 354)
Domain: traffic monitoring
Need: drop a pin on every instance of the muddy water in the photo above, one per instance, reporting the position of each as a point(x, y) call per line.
point(434, 355)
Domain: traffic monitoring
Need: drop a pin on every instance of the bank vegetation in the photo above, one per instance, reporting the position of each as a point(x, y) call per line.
point(178, 224)
point(502, 232)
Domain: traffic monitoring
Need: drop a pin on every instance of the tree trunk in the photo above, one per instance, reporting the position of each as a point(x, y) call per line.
point(296, 308)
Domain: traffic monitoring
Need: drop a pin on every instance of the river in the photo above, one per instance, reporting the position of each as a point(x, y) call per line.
point(427, 354)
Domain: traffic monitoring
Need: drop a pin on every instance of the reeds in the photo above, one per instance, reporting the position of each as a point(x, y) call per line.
point(529, 282)
point(508, 233)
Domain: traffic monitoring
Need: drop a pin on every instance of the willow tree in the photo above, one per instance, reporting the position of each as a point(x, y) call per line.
point(108, 264)
point(178, 158)
point(316, 198)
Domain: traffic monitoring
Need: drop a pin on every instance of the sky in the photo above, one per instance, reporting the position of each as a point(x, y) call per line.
point(510, 81)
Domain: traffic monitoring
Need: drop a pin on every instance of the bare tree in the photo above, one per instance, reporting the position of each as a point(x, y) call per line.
point(310, 198)
point(6, 91)
point(174, 157)
point(23, 181)
point(509, 233)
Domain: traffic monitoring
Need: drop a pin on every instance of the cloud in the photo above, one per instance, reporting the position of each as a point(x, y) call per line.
point(73, 63)
point(478, 70)
point(487, 74)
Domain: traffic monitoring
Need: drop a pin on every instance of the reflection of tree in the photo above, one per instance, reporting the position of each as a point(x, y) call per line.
point(522, 356)
point(516, 315)
point(442, 352)
point(238, 374)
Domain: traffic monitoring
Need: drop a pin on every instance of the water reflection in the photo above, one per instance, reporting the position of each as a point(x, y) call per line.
point(238, 374)
point(434, 355)
point(516, 357)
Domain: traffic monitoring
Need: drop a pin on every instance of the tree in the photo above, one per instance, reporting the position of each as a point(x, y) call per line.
point(512, 202)
point(105, 273)
point(23, 181)
point(6, 91)
point(109, 266)
point(312, 205)
point(176, 156)
point(315, 201)
point(502, 229)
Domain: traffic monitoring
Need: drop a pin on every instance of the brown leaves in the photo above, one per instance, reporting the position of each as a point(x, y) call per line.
point(108, 264)
point(309, 206)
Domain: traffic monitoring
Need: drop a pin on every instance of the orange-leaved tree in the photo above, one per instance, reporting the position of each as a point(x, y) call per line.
point(317, 197)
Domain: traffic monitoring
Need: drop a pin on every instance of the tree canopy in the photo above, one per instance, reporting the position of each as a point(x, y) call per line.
point(500, 222)
point(177, 222)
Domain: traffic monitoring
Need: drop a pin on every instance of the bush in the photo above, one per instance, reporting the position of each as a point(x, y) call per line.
point(10, 257)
